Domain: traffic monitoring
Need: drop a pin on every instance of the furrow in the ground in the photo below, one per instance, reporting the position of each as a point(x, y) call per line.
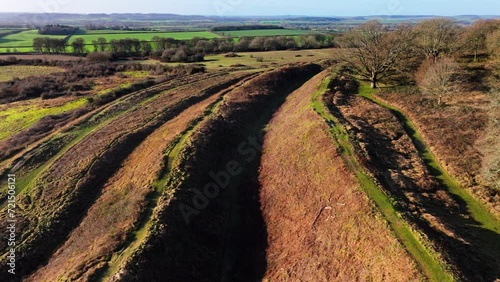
point(399, 161)
point(64, 192)
point(207, 226)
point(429, 261)
point(321, 226)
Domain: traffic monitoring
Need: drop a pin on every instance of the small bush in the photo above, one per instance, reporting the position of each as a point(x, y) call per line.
point(231, 55)
point(101, 57)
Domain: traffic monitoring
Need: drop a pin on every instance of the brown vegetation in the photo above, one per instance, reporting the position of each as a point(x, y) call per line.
point(438, 37)
point(78, 80)
point(385, 148)
point(70, 185)
point(41, 129)
point(225, 239)
point(453, 133)
point(439, 78)
point(321, 225)
point(33, 155)
point(122, 201)
point(377, 54)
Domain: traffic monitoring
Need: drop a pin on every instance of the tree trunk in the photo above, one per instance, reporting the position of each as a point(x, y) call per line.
point(374, 81)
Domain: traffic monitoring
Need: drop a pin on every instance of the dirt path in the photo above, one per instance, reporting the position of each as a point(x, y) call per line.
point(321, 225)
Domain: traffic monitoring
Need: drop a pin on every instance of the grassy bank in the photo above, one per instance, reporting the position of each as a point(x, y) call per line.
point(431, 266)
point(477, 210)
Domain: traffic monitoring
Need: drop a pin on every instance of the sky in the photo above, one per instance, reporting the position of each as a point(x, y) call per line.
point(260, 7)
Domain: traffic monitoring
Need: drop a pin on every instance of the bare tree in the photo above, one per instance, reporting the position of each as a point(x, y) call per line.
point(376, 52)
point(438, 36)
point(477, 33)
point(493, 44)
point(439, 78)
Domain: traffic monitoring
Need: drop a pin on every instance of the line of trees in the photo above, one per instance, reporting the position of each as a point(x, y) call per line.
point(57, 30)
point(158, 45)
point(49, 45)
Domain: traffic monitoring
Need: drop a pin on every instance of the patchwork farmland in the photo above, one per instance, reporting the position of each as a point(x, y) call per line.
point(148, 36)
point(264, 32)
point(21, 41)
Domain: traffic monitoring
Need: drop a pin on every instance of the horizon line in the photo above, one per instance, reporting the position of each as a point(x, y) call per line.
point(250, 15)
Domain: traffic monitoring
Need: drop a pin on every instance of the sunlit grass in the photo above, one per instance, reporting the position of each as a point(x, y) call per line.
point(88, 38)
point(265, 32)
point(171, 159)
point(108, 90)
point(136, 74)
point(270, 59)
point(24, 39)
point(16, 119)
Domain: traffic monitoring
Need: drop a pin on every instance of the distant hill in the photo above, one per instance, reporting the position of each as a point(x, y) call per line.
point(141, 20)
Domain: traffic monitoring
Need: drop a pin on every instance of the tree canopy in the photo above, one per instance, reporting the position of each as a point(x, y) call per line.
point(377, 52)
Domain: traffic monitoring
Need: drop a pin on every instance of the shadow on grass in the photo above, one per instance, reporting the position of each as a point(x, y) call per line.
point(473, 247)
point(226, 239)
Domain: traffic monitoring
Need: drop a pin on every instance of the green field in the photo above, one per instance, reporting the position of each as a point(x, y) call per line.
point(18, 118)
point(6, 50)
point(264, 32)
point(110, 31)
point(23, 39)
point(6, 30)
point(145, 35)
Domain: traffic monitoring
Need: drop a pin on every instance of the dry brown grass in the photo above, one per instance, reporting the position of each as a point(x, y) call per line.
point(384, 143)
point(69, 186)
point(119, 206)
point(390, 155)
point(454, 134)
point(321, 226)
point(225, 240)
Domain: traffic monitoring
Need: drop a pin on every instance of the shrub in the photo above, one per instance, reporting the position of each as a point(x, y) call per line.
point(101, 57)
point(231, 55)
